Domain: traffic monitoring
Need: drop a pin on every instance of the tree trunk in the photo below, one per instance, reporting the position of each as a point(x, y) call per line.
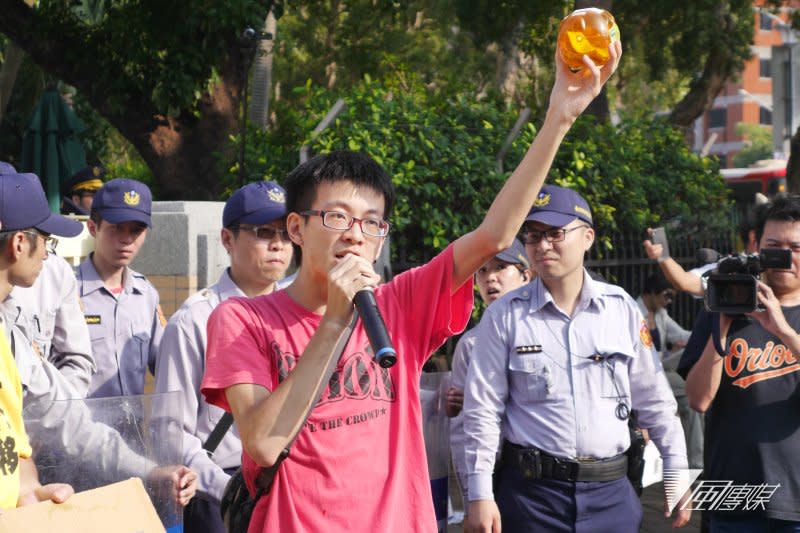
point(183, 152)
point(261, 83)
point(719, 66)
point(793, 166)
point(8, 74)
point(508, 63)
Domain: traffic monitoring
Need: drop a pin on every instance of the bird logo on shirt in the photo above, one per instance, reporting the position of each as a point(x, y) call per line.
point(746, 364)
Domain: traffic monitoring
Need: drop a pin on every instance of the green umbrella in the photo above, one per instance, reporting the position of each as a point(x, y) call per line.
point(50, 148)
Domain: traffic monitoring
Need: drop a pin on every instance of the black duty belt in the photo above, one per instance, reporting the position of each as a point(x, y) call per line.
point(536, 464)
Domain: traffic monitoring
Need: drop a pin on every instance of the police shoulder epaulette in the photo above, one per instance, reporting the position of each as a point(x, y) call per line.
point(523, 293)
point(614, 290)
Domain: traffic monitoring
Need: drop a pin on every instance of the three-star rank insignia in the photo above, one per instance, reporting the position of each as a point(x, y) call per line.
point(533, 348)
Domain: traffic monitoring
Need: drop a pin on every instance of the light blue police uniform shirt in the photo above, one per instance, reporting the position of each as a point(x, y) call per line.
point(67, 428)
point(125, 330)
point(535, 379)
point(181, 364)
point(49, 314)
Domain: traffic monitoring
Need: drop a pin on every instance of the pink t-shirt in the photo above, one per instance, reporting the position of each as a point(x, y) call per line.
point(359, 463)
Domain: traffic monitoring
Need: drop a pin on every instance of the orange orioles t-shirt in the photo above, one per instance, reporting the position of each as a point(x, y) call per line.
point(754, 421)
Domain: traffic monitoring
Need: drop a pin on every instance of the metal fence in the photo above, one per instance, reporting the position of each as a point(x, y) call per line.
point(625, 264)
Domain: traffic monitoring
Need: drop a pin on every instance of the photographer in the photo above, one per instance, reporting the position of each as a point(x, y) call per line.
point(751, 392)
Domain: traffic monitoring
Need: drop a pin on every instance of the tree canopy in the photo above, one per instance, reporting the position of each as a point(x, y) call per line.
point(442, 156)
point(432, 89)
point(167, 75)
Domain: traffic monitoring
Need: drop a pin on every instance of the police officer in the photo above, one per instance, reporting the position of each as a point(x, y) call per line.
point(120, 306)
point(563, 362)
point(54, 424)
point(80, 190)
point(260, 251)
point(48, 313)
point(26, 226)
point(508, 270)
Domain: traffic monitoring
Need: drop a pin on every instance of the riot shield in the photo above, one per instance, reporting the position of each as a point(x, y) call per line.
point(436, 431)
point(93, 442)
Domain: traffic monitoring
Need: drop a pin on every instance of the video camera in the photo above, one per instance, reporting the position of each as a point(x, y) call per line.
point(732, 287)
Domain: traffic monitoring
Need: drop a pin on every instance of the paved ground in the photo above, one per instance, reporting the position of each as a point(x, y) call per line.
point(653, 521)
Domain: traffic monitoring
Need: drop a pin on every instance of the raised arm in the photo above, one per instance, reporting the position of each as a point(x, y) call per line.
point(571, 94)
point(677, 276)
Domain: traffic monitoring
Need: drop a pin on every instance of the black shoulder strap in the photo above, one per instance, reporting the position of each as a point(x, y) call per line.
point(716, 334)
point(218, 433)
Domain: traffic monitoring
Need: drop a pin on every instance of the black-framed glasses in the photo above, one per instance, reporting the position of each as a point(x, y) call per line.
point(50, 242)
point(533, 236)
point(339, 221)
point(266, 233)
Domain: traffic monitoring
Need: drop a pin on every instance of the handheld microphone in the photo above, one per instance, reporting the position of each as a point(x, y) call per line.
point(384, 352)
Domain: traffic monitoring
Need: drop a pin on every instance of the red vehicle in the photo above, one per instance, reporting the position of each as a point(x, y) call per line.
point(744, 183)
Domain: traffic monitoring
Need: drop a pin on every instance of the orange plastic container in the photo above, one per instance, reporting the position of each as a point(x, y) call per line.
point(586, 31)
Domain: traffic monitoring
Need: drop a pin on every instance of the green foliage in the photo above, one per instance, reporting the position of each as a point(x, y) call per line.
point(639, 174)
point(336, 43)
point(678, 36)
point(441, 155)
point(435, 120)
point(758, 146)
point(166, 51)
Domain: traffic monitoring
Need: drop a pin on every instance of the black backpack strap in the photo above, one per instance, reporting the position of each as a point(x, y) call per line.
point(218, 433)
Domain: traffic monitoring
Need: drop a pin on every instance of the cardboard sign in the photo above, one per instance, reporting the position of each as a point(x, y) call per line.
point(122, 507)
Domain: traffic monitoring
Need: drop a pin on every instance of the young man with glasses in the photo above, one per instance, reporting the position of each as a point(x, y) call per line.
point(254, 235)
point(26, 225)
point(358, 462)
point(563, 362)
point(120, 306)
point(48, 314)
point(750, 392)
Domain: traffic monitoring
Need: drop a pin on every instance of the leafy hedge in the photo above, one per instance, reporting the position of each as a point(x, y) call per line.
point(441, 154)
